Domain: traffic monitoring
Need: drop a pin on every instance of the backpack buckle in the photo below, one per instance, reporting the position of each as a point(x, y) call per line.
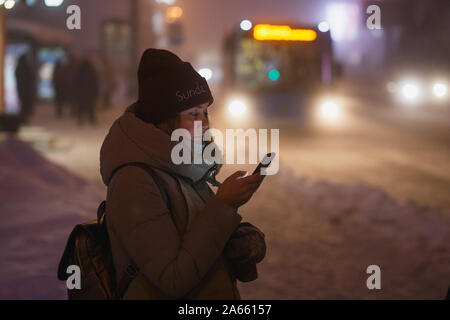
point(131, 271)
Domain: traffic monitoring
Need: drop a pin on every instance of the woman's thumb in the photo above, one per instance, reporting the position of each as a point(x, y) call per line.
point(238, 174)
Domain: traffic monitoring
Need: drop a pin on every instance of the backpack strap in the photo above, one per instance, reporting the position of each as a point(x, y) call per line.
point(132, 269)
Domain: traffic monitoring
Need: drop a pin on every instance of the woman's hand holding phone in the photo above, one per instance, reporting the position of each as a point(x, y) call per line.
point(238, 188)
point(236, 191)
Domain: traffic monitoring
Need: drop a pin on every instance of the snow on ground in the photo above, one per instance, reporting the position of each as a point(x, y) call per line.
point(321, 236)
point(40, 203)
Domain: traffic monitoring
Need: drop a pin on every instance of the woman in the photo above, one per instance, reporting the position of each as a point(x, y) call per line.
point(198, 247)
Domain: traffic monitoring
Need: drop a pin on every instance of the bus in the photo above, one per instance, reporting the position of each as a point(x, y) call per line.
point(275, 72)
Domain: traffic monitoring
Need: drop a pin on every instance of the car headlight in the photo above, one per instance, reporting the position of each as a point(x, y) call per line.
point(410, 91)
point(237, 107)
point(439, 89)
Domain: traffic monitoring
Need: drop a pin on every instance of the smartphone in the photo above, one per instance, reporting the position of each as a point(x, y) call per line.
point(265, 162)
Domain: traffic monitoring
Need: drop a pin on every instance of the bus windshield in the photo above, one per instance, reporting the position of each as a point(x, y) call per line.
point(276, 65)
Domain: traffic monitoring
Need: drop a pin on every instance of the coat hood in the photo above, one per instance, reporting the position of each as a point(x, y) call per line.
point(132, 140)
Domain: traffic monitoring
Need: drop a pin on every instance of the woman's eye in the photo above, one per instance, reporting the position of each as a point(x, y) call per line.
point(194, 114)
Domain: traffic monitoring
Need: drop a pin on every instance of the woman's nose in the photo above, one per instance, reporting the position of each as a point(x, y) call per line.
point(203, 119)
point(201, 116)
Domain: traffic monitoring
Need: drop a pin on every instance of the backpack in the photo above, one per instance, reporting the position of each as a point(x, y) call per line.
point(88, 248)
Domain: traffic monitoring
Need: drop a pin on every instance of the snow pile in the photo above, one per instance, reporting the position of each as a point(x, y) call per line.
point(322, 236)
point(25, 173)
point(39, 205)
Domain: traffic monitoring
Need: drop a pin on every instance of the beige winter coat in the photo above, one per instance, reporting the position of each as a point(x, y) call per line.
point(180, 253)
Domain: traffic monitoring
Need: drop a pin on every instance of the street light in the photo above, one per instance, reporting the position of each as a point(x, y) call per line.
point(206, 73)
point(324, 26)
point(169, 2)
point(246, 25)
point(173, 13)
point(53, 3)
point(9, 4)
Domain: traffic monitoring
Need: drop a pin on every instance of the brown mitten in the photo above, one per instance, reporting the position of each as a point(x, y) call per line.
point(245, 248)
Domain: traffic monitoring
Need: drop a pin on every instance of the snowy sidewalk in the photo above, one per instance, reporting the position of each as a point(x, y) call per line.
point(321, 238)
point(68, 144)
point(39, 205)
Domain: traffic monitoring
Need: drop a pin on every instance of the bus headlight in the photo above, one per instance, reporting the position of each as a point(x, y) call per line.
point(439, 90)
point(330, 109)
point(237, 107)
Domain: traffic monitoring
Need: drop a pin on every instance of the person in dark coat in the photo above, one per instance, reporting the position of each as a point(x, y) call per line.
point(108, 76)
point(59, 85)
point(26, 84)
point(196, 248)
point(86, 85)
point(71, 90)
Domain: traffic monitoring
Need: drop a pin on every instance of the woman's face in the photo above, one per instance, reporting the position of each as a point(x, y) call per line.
point(198, 113)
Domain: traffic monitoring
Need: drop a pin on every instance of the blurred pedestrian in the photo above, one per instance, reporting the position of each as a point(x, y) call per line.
point(86, 87)
point(70, 85)
point(59, 85)
point(26, 87)
point(109, 82)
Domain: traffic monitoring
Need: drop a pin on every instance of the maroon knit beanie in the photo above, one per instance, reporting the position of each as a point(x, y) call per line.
point(167, 86)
